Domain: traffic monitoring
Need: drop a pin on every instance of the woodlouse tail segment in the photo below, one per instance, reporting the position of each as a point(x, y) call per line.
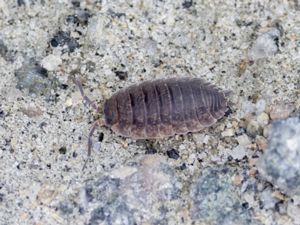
point(86, 99)
point(96, 124)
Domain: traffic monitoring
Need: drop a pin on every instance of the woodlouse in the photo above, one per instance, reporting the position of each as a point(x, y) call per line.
point(161, 108)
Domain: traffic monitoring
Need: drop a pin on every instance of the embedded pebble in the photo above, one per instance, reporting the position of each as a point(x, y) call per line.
point(268, 200)
point(32, 111)
point(132, 194)
point(248, 107)
point(62, 39)
point(253, 128)
point(237, 180)
point(280, 163)
point(238, 152)
point(266, 131)
point(81, 17)
point(281, 111)
point(33, 77)
point(260, 106)
point(243, 140)
point(216, 199)
point(46, 194)
point(97, 30)
point(228, 133)
point(266, 44)
point(51, 62)
point(261, 142)
point(4, 52)
point(69, 102)
point(263, 119)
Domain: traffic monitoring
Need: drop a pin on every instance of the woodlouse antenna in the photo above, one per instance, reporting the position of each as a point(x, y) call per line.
point(96, 124)
point(90, 141)
point(89, 102)
point(86, 99)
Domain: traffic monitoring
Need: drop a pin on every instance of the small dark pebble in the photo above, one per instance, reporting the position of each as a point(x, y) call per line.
point(97, 214)
point(245, 205)
point(72, 19)
point(41, 70)
point(101, 136)
point(54, 42)
point(1, 197)
point(64, 86)
point(182, 167)
point(89, 194)
point(228, 112)
point(6, 144)
point(28, 2)
point(150, 150)
point(65, 208)
point(297, 4)
point(158, 63)
point(35, 78)
point(90, 66)
point(115, 14)
point(2, 113)
point(62, 150)
point(42, 125)
point(20, 2)
point(67, 169)
point(76, 3)
point(230, 158)
point(121, 75)
point(187, 4)
point(74, 154)
point(81, 210)
point(73, 44)
point(3, 50)
point(242, 23)
point(173, 154)
point(62, 38)
point(79, 18)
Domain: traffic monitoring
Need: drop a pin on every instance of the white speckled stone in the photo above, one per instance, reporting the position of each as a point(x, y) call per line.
point(51, 62)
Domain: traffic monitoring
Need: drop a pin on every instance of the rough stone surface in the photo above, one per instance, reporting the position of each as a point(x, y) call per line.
point(266, 44)
point(217, 201)
point(109, 45)
point(281, 162)
point(34, 78)
point(131, 194)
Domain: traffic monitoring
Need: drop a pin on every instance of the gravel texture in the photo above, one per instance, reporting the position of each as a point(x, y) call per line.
point(251, 48)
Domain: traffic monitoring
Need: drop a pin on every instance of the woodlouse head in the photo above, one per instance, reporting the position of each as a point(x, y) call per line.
point(110, 112)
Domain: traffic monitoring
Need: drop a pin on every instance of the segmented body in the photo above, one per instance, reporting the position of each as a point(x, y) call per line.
point(164, 107)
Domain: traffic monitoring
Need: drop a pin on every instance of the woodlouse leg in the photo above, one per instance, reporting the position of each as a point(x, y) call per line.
point(96, 124)
point(86, 99)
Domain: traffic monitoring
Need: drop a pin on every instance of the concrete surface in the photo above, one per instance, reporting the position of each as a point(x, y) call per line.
point(249, 47)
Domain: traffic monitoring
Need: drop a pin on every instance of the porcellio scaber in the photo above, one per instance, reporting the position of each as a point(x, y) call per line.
point(161, 108)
